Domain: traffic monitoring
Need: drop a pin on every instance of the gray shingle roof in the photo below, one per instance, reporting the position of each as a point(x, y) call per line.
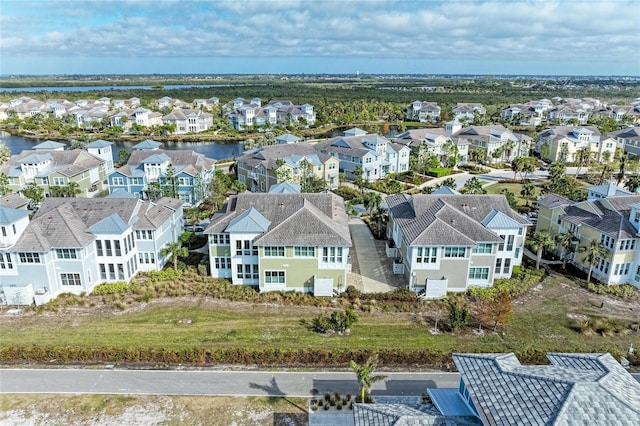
point(576, 389)
point(450, 219)
point(405, 415)
point(294, 219)
point(609, 216)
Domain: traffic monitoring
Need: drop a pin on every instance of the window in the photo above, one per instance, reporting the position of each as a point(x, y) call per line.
point(498, 266)
point(627, 245)
point(107, 245)
point(454, 251)
point(607, 241)
point(220, 239)
point(239, 271)
point(29, 257)
point(427, 255)
point(144, 234)
point(483, 248)
point(516, 255)
point(479, 273)
point(507, 266)
point(332, 254)
point(4, 231)
point(271, 277)
point(70, 279)
point(622, 269)
point(222, 262)
point(247, 271)
point(183, 181)
point(99, 248)
point(146, 258)
point(510, 239)
point(520, 230)
point(5, 261)
point(58, 181)
point(116, 181)
point(120, 271)
point(66, 254)
point(103, 271)
point(637, 277)
point(274, 251)
point(117, 248)
point(112, 272)
point(501, 245)
point(602, 265)
point(304, 251)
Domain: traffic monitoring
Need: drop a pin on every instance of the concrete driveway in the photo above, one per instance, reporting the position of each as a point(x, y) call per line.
point(371, 268)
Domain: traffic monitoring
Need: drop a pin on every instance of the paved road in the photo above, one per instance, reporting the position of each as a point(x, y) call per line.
point(220, 383)
point(371, 269)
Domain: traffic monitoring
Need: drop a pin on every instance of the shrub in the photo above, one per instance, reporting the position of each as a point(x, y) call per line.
point(338, 322)
point(458, 314)
point(522, 279)
point(111, 288)
point(439, 172)
point(626, 291)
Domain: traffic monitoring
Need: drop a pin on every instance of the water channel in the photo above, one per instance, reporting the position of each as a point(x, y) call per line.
point(215, 150)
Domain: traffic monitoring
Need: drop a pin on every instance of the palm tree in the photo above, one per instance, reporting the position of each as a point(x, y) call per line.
point(73, 189)
point(632, 183)
point(364, 374)
point(174, 251)
point(594, 251)
point(583, 158)
point(508, 150)
point(528, 189)
point(539, 241)
point(567, 242)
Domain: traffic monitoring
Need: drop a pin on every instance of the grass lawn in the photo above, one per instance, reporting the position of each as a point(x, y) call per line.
point(543, 320)
point(497, 188)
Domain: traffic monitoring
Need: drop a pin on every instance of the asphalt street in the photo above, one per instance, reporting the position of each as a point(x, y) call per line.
point(219, 383)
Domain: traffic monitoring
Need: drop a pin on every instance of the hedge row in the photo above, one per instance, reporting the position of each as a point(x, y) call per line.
point(246, 356)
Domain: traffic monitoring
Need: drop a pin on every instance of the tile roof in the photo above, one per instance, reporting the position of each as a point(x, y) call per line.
point(428, 219)
point(577, 389)
point(69, 222)
point(405, 415)
point(300, 219)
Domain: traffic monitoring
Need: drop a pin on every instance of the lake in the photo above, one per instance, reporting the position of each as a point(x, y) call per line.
point(103, 88)
point(215, 150)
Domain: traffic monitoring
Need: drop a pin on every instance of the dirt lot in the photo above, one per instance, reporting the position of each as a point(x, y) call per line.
point(118, 410)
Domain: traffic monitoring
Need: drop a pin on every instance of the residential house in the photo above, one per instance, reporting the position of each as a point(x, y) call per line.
point(423, 111)
point(56, 167)
point(607, 190)
point(435, 141)
point(375, 155)
point(282, 242)
point(495, 389)
point(207, 104)
point(614, 221)
point(168, 102)
point(126, 118)
point(13, 222)
point(189, 120)
point(262, 168)
point(288, 138)
point(102, 149)
point(276, 112)
point(151, 171)
point(496, 141)
point(620, 113)
point(570, 112)
point(73, 244)
point(451, 242)
point(564, 142)
point(628, 139)
point(529, 114)
point(465, 111)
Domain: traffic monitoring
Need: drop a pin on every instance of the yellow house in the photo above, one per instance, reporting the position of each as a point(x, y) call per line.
point(612, 221)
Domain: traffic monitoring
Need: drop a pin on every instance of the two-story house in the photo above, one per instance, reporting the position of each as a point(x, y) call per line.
point(628, 139)
point(434, 141)
point(72, 244)
point(563, 143)
point(423, 111)
point(375, 155)
point(466, 111)
point(614, 221)
point(57, 167)
point(452, 242)
point(151, 172)
point(264, 167)
point(189, 120)
point(282, 242)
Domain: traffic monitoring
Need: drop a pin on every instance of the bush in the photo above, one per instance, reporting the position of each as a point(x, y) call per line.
point(522, 279)
point(458, 314)
point(338, 322)
point(439, 172)
point(626, 291)
point(111, 288)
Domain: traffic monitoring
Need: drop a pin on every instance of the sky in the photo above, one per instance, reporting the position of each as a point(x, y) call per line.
point(533, 37)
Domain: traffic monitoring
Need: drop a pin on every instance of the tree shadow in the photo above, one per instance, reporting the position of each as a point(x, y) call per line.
point(274, 392)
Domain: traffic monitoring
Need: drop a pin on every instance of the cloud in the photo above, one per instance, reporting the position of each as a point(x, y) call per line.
point(580, 31)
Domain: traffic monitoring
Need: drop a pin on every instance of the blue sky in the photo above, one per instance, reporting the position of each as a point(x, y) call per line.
point(323, 36)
